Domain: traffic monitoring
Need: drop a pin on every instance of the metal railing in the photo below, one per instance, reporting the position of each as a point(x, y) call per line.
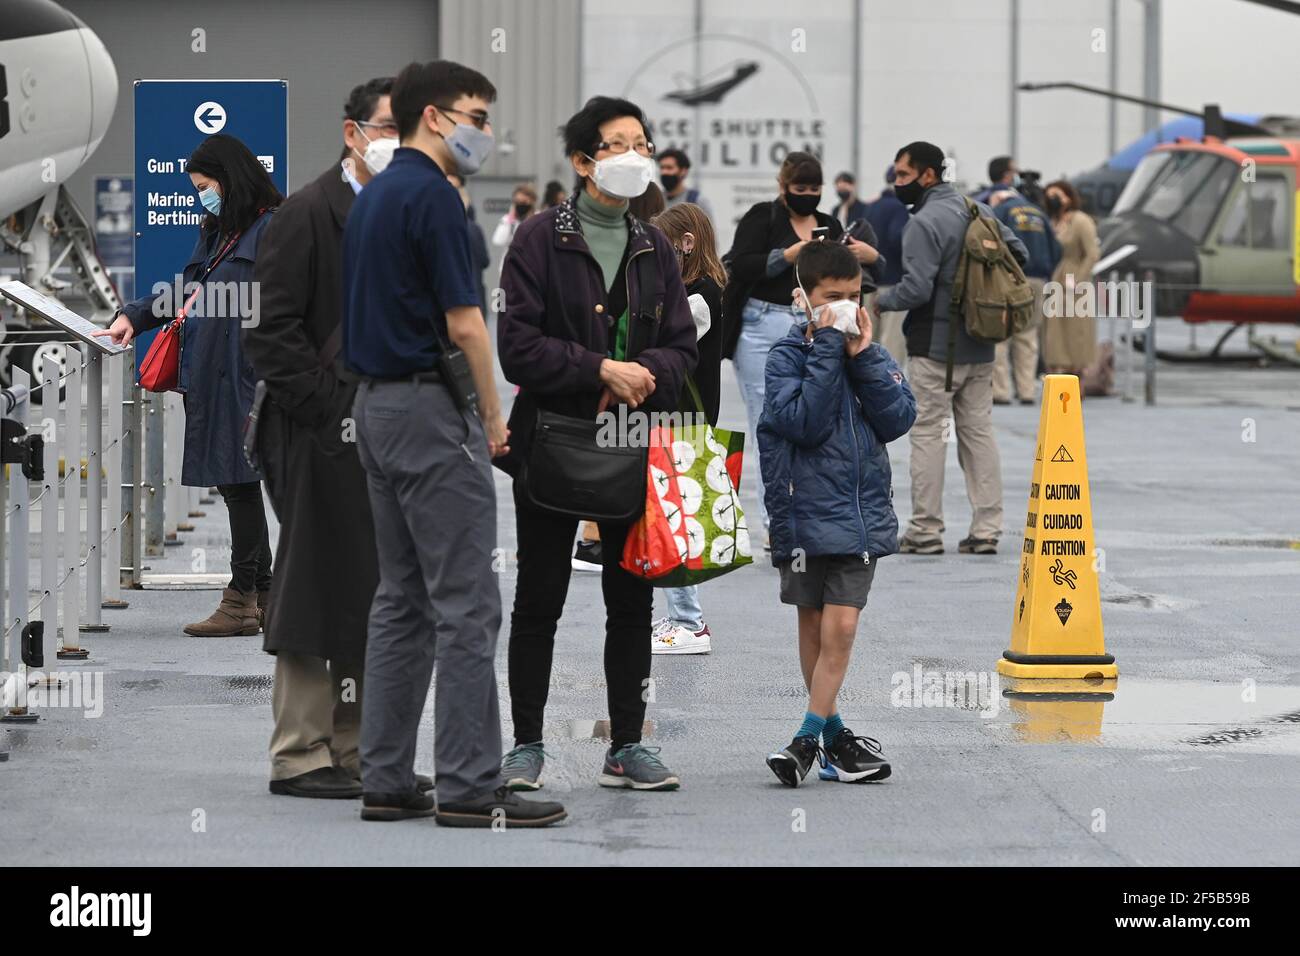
point(45, 461)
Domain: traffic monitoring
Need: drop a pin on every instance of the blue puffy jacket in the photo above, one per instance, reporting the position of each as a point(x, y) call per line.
point(826, 420)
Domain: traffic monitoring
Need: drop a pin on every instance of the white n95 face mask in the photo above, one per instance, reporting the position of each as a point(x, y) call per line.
point(846, 316)
point(844, 310)
point(624, 176)
point(379, 153)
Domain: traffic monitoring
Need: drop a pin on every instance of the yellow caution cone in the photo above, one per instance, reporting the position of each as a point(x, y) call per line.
point(1056, 619)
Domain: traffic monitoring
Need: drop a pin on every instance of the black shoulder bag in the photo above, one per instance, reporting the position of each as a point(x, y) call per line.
point(571, 468)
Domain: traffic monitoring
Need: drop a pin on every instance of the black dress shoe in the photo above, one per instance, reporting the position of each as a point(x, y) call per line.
point(500, 804)
point(423, 782)
point(324, 783)
point(397, 806)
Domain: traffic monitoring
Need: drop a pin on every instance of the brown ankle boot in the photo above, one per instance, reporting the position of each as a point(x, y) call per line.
point(263, 599)
point(235, 615)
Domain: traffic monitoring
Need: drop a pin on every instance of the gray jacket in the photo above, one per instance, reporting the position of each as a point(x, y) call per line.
point(931, 247)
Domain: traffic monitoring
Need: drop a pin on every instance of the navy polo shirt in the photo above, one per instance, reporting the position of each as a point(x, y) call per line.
point(406, 261)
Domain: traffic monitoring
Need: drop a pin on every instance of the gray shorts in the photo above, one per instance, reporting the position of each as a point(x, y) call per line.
point(827, 579)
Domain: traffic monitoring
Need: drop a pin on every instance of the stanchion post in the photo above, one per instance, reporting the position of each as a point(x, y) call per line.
point(1149, 364)
point(113, 467)
point(70, 648)
point(173, 445)
point(13, 602)
point(153, 474)
point(94, 488)
point(132, 445)
point(50, 500)
point(1126, 390)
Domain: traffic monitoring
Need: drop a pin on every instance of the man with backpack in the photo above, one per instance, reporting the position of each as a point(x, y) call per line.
point(951, 371)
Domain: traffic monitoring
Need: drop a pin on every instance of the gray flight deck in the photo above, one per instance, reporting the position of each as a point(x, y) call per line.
point(1195, 760)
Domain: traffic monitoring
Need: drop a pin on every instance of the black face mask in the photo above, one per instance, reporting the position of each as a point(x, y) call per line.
point(1053, 206)
point(670, 181)
point(804, 204)
point(909, 194)
point(844, 194)
point(522, 209)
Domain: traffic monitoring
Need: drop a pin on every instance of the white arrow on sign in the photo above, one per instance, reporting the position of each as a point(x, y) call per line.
point(210, 117)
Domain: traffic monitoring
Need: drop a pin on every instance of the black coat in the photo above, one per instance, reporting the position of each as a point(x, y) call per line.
point(708, 370)
point(326, 569)
point(216, 377)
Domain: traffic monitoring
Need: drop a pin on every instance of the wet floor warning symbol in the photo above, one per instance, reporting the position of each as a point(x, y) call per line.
point(1062, 575)
point(1054, 636)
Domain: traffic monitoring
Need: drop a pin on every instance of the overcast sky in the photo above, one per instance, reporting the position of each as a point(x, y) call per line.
point(1241, 55)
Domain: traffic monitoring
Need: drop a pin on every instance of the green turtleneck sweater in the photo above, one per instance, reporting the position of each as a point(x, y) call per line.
point(605, 230)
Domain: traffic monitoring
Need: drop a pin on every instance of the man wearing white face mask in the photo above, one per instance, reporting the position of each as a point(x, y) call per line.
point(316, 622)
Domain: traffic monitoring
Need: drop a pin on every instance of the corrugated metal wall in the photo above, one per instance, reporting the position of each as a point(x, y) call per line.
point(530, 51)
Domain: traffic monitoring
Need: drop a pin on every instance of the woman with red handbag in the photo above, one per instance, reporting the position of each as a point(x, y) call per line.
point(202, 324)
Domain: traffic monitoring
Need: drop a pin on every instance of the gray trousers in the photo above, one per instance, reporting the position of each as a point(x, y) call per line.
point(434, 503)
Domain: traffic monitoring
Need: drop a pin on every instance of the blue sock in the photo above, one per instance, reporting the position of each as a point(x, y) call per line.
point(833, 726)
point(812, 725)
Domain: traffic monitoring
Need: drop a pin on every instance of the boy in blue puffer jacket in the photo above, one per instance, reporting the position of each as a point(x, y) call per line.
point(833, 401)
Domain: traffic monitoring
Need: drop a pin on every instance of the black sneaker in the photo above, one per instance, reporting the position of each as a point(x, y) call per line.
point(587, 557)
point(853, 759)
point(978, 546)
point(397, 806)
point(792, 764)
point(500, 804)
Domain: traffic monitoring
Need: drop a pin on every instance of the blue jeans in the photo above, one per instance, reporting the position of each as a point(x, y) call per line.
point(763, 324)
point(684, 606)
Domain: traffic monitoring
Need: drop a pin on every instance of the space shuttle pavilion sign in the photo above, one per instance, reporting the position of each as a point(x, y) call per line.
point(737, 96)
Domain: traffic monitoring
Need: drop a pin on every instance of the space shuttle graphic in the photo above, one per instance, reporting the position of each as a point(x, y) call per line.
point(696, 91)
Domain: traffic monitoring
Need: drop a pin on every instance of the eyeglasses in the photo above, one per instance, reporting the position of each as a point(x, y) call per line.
point(388, 129)
point(478, 117)
point(620, 146)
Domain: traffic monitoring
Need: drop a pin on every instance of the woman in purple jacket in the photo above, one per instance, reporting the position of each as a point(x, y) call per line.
point(568, 280)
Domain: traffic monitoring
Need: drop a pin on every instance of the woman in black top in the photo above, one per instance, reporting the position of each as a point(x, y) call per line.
point(682, 630)
point(768, 240)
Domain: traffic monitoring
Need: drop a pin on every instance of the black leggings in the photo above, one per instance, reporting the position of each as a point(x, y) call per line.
point(545, 550)
point(250, 543)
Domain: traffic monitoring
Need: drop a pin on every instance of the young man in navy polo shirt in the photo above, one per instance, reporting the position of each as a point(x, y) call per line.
point(409, 291)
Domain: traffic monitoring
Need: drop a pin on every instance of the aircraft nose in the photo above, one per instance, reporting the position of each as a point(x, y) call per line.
point(103, 87)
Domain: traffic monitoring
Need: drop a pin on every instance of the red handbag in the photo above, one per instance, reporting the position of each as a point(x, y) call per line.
point(160, 369)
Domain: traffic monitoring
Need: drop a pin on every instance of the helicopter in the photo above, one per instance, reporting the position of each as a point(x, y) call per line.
point(1210, 218)
point(58, 90)
point(1213, 222)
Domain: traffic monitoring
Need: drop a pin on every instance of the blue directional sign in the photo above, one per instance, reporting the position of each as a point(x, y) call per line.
point(171, 118)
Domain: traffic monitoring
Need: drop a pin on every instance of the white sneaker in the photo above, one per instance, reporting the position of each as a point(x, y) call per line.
point(675, 639)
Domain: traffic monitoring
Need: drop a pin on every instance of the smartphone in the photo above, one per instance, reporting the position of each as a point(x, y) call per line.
point(821, 232)
point(855, 230)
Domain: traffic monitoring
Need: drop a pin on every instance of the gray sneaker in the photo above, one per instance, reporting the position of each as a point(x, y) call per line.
point(521, 768)
point(637, 767)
